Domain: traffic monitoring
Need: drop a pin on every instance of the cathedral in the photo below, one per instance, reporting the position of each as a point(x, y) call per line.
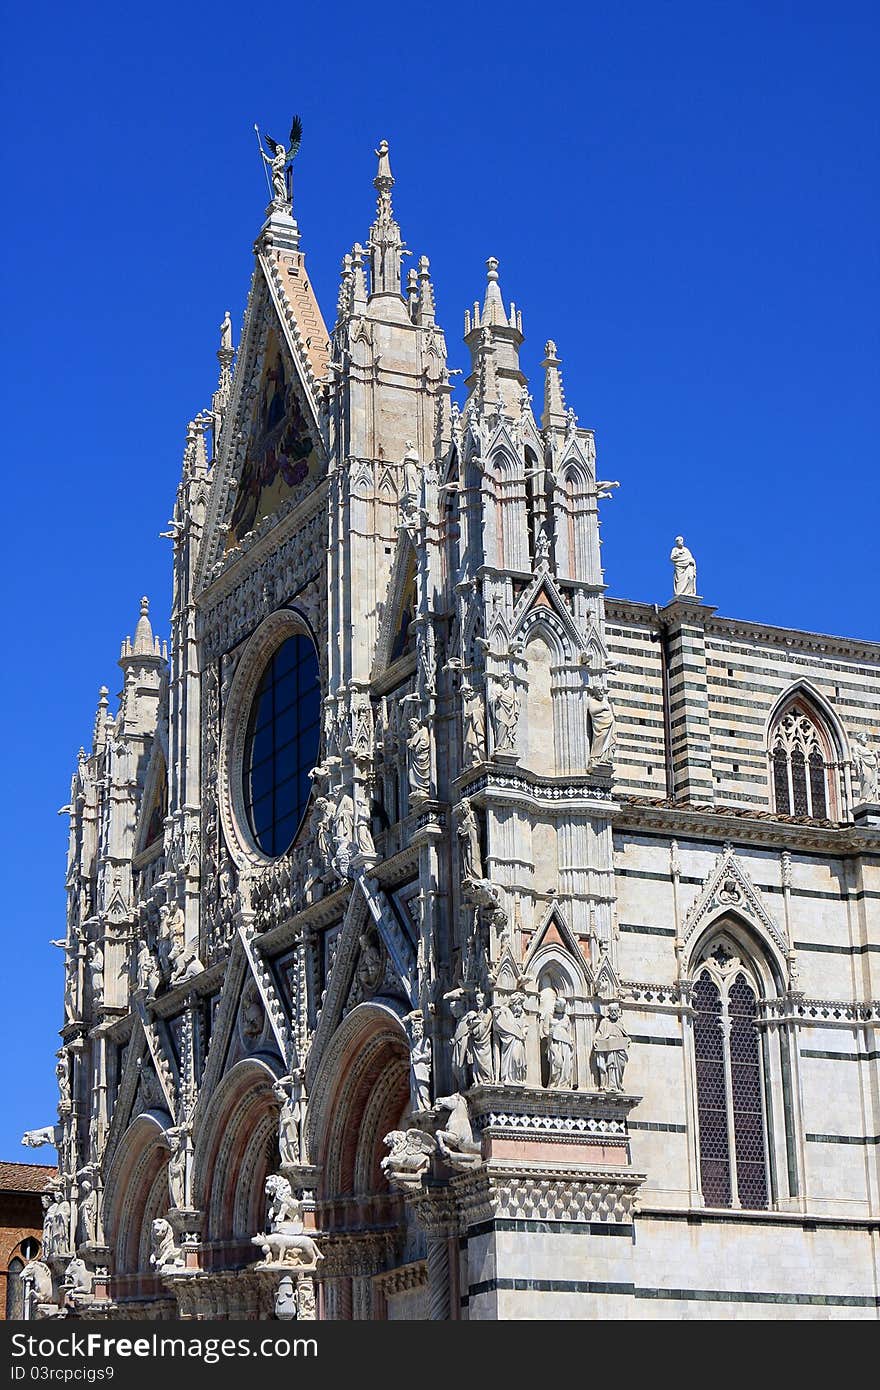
point(445, 938)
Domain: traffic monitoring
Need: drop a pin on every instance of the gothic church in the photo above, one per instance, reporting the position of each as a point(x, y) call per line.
point(445, 938)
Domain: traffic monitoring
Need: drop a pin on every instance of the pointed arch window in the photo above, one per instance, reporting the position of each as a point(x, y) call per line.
point(730, 1083)
point(802, 764)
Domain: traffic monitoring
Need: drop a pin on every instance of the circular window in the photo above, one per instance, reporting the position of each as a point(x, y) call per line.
point(282, 745)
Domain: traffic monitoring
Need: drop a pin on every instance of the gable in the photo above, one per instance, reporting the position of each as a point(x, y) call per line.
point(282, 449)
point(272, 450)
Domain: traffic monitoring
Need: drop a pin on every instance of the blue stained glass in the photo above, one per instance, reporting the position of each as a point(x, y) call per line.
point(282, 745)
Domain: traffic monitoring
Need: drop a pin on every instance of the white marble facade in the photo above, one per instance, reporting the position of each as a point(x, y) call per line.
point(529, 967)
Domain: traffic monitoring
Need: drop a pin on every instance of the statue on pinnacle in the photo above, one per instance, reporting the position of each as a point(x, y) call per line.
point(279, 162)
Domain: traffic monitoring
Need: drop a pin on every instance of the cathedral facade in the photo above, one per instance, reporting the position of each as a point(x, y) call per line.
point(445, 938)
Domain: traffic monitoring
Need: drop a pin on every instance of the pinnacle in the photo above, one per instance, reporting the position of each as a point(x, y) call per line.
point(143, 633)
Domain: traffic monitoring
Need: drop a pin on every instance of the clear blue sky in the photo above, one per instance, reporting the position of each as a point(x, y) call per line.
point(683, 195)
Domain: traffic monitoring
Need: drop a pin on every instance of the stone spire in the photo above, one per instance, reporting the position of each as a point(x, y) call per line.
point(494, 338)
point(146, 647)
point(555, 414)
point(143, 633)
point(385, 245)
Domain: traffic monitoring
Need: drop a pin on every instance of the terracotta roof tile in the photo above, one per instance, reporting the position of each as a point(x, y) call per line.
point(25, 1177)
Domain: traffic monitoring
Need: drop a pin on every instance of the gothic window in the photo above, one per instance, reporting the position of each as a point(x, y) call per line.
point(282, 745)
point(802, 763)
point(730, 1083)
point(14, 1290)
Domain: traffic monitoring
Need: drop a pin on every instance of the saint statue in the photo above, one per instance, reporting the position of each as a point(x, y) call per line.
point(479, 1042)
point(288, 1092)
point(684, 570)
point(473, 721)
point(418, 749)
point(177, 1166)
point(468, 834)
point(611, 1050)
point(601, 725)
point(866, 765)
point(510, 1034)
point(505, 714)
point(560, 1048)
point(419, 1063)
point(460, 1033)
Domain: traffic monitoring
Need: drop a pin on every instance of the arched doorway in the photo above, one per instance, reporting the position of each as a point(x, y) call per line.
point(359, 1093)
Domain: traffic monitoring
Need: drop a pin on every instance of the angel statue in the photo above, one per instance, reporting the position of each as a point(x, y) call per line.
point(281, 160)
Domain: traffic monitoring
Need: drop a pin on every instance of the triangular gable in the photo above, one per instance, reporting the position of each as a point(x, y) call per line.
point(154, 802)
point(555, 931)
point(126, 1091)
point(726, 889)
point(272, 448)
point(542, 601)
point(396, 633)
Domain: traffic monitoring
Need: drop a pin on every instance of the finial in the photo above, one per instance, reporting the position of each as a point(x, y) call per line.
point(493, 305)
point(143, 633)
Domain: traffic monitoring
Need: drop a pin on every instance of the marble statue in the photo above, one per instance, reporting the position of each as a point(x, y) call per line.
point(611, 1050)
point(285, 1300)
point(684, 570)
point(468, 833)
point(176, 1139)
point(56, 1223)
point(288, 1092)
point(321, 827)
point(36, 1138)
point(285, 1242)
point(418, 751)
point(146, 969)
point(867, 765)
point(455, 1140)
point(419, 1062)
point(601, 725)
point(87, 1214)
point(77, 1277)
point(363, 835)
point(370, 966)
point(473, 718)
point(505, 713)
point(36, 1280)
point(96, 972)
point(280, 159)
point(343, 833)
point(460, 1034)
point(164, 1253)
point(560, 1048)
point(510, 1034)
point(62, 1073)
point(411, 1151)
point(226, 333)
point(412, 472)
point(479, 1043)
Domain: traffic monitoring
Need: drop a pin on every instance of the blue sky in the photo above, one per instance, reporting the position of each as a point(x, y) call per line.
point(683, 195)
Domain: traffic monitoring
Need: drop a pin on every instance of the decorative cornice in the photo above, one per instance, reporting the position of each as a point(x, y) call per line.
point(629, 610)
point(742, 827)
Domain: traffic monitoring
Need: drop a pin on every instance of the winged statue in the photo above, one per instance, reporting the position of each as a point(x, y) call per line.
point(280, 159)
